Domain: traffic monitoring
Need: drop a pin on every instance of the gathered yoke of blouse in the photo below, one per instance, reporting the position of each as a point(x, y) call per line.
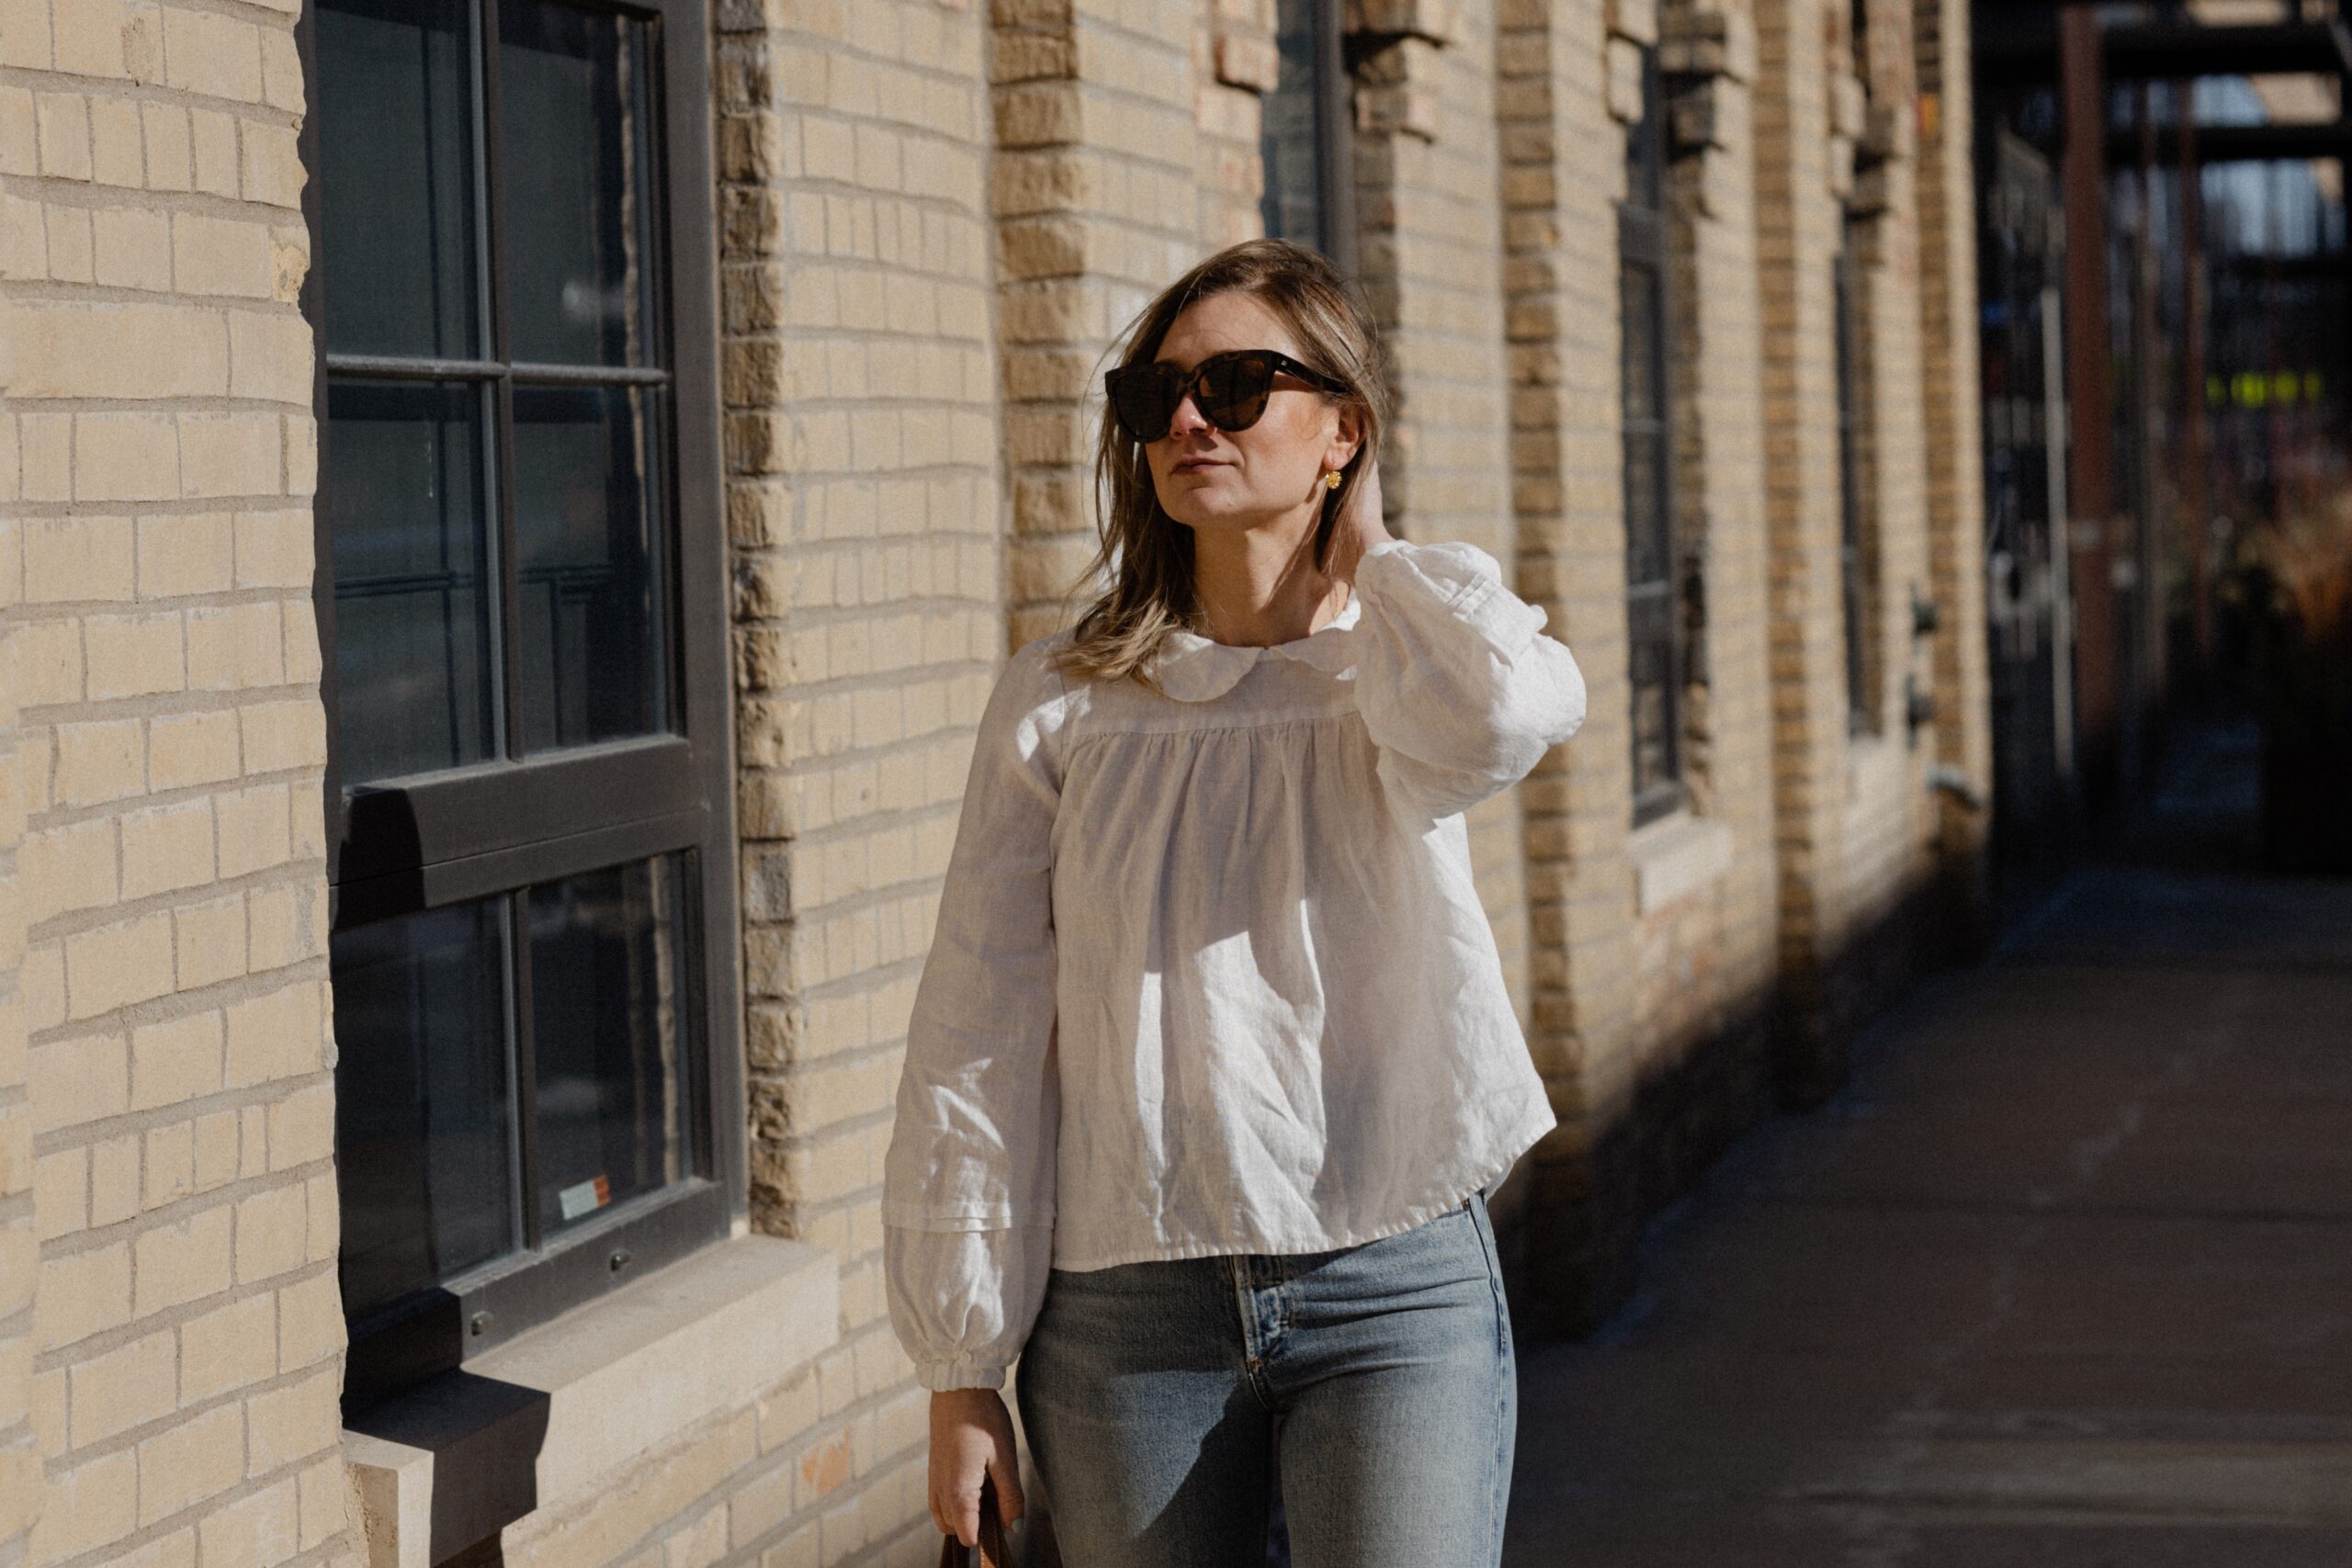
point(1210, 971)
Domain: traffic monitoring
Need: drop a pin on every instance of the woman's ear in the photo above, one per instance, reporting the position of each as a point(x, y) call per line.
point(1347, 438)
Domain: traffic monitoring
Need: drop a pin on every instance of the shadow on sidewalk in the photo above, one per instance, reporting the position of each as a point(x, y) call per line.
point(2062, 1279)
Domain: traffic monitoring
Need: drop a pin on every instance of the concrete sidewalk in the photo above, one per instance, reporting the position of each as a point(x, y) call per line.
point(2064, 1281)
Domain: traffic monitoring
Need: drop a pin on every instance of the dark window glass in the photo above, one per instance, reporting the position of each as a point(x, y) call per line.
point(398, 191)
point(415, 586)
point(575, 115)
point(1647, 563)
point(428, 621)
point(588, 506)
point(1651, 671)
point(1303, 142)
point(424, 1009)
point(1860, 715)
point(423, 1146)
point(1653, 610)
point(1646, 144)
point(1648, 539)
point(609, 1027)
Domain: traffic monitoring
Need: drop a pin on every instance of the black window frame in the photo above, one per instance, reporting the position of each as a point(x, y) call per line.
point(497, 828)
point(1643, 231)
point(1862, 712)
point(1335, 128)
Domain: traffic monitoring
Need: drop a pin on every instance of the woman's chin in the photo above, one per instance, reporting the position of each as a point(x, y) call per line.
point(1215, 515)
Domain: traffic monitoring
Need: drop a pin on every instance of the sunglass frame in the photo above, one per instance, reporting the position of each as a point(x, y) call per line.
point(1187, 383)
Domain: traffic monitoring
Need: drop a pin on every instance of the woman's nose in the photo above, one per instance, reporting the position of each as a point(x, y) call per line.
point(1187, 418)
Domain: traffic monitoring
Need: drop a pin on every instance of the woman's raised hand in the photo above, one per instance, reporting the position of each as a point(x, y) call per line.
point(971, 1436)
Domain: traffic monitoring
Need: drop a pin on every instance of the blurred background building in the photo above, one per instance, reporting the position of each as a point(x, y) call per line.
point(516, 507)
point(2163, 268)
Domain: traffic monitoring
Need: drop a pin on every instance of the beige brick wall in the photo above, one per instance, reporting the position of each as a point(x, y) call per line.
point(1234, 63)
point(20, 1460)
point(1652, 1025)
point(1562, 169)
point(861, 382)
point(187, 1338)
point(1803, 169)
point(1797, 235)
point(1661, 1032)
point(1857, 826)
point(804, 1472)
point(1561, 173)
point(1429, 176)
point(1891, 820)
point(1096, 194)
point(1708, 959)
point(1948, 395)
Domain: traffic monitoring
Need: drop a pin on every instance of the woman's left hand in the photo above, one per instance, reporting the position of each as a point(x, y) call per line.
point(1360, 528)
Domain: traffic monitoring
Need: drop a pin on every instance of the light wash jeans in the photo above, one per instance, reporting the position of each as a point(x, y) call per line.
point(1152, 1395)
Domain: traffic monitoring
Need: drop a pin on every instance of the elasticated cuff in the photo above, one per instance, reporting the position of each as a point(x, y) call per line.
point(941, 1376)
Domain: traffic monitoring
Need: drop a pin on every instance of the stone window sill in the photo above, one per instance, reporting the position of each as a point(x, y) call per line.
point(560, 1410)
point(1874, 767)
point(1676, 856)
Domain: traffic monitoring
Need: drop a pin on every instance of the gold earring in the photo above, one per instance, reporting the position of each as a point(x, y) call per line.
point(1332, 480)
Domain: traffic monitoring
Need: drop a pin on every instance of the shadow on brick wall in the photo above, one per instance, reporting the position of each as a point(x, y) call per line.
point(1572, 1232)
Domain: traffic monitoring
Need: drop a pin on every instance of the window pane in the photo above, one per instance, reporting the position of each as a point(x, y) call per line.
point(1290, 141)
point(1651, 669)
point(1849, 498)
point(412, 578)
point(588, 495)
point(573, 102)
point(1652, 608)
point(1638, 292)
point(1645, 142)
point(609, 1030)
point(396, 146)
point(1648, 536)
point(422, 1150)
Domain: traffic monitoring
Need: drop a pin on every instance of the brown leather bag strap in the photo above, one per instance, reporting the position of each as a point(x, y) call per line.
point(992, 1552)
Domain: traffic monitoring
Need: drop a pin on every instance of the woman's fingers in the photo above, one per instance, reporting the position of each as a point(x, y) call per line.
point(971, 1441)
point(958, 1513)
point(1007, 1471)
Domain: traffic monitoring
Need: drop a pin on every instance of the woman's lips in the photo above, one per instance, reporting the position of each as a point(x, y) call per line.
point(1195, 465)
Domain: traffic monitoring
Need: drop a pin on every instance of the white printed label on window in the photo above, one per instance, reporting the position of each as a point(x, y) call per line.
point(585, 1198)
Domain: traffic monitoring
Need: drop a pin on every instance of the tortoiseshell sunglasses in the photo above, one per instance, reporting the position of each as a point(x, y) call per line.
point(1230, 390)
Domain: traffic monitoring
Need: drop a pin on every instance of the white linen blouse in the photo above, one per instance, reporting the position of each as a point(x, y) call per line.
point(1210, 973)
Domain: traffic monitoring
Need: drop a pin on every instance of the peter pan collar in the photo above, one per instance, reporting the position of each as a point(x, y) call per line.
point(1195, 669)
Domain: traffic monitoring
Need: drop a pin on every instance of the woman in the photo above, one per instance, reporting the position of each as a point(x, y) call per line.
point(1211, 1064)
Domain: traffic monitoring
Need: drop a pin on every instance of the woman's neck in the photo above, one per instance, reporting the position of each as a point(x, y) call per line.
point(1258, 586)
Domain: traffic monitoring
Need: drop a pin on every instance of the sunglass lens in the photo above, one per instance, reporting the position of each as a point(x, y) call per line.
point(1145, 397)
point(1233, 390)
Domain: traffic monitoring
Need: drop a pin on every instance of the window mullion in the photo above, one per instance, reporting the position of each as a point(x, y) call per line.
point(510, 609)
point(521, 1048)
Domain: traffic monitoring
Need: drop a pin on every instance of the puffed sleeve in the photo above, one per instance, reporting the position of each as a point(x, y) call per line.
point(1458, 684)
point(967, 1187)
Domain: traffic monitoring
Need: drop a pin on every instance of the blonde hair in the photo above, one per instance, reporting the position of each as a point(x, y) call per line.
point(1147, 555)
